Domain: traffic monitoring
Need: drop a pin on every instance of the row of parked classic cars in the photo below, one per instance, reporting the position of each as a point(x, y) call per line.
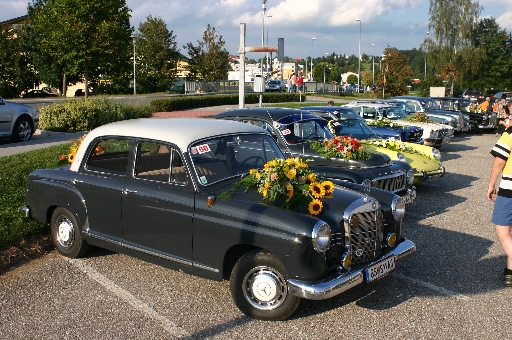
point(213, 197)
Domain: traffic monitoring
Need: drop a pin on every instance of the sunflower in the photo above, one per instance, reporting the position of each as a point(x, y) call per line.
point(290, 193)
point(312, 177)
point(317, 190)
point(315, 207)
point(328, 186)
point(71, 156)
point(265, 189)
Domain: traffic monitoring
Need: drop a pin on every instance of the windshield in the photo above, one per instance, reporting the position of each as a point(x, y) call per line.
point(352, 128)
point(305, 130)
point(391, 112)
point(227, 156)
point(346, 113)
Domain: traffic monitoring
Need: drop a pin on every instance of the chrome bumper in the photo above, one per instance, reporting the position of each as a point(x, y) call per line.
point(423, 175)
point(339, 283)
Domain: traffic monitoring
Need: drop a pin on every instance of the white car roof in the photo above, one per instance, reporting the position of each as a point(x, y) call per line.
point(179, 131)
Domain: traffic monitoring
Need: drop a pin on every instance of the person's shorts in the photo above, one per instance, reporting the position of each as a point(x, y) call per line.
point(502, 213)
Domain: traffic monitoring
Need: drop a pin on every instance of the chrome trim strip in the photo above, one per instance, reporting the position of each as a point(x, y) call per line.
point(151, 252)
point(339, 283)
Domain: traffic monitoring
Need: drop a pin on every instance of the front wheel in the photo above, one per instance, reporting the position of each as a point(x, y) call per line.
point(22, 130)
point(259, 287)
point(66, 234)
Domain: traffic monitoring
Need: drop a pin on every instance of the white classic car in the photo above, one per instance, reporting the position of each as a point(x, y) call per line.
point(434, 134)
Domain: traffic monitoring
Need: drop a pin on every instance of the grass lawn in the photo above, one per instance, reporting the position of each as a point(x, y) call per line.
point(14, 171)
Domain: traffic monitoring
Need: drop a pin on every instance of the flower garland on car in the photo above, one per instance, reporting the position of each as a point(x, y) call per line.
point(343, 147)
point(419, 117)
point(383, 122)
point(474, 108)
point(288, 181)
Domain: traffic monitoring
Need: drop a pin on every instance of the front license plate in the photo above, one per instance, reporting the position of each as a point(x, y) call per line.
point(380, 269)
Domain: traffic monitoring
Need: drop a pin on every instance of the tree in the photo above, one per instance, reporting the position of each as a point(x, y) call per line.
point(209, 59)
point(16, 66)
point(81, 37)
point(497, 45)
point(352, 79)
point(158, 56)
point(450, 45)
point(396, 73)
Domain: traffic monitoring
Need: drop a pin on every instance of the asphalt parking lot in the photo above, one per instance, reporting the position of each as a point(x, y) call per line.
point(449, 289)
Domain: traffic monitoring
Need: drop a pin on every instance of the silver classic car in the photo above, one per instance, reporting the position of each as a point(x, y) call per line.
point(151, 188)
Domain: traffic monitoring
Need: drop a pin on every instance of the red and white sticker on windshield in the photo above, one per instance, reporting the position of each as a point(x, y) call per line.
point(203, 148)
point(286, 132)
point(336, 124)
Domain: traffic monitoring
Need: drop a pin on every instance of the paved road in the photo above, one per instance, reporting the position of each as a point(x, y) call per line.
point(449, 289)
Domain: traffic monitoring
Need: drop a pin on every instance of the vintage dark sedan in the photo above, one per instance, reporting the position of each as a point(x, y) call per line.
point(478, 120)
point(150, 188)
point(294, 130)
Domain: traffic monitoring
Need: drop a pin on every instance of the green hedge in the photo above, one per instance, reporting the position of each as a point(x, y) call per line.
point(14, 171)
point(192, 102)
point(85, 115)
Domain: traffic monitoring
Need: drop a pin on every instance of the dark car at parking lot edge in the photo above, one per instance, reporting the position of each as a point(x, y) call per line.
point(37, 93)
point(150, 188)
point(295, 129)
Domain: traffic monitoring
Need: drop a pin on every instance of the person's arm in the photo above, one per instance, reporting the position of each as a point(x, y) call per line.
point(497, 167)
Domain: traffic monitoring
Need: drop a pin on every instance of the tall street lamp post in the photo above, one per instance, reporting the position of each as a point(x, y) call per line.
point(134, 37)
point(269, 16)
point(359, 69)
point(263, 9)
point(312, 39)
point(426, 55)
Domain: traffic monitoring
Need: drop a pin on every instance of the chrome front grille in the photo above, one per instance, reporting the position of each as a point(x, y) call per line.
point(444, 133)
point(415, 135)
point(391, 183)
point(366, 236)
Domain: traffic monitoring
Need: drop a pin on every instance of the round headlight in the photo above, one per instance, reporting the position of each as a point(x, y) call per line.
point(398, 208)
point(410, 175)
point(400, 156)
point(436, 153)
point(321, 236)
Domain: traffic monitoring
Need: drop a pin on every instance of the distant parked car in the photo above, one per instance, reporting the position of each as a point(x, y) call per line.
point(474, 95)
point(36, 93)
point(81, 93)
point(275, 86)
point(17, 121)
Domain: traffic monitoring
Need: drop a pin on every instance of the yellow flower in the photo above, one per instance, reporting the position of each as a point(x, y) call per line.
point(290, 161)
point(253, 171)
point(265, 189)
point(291, 173)
point(290, 193)
point(71, 156)
point(315, 207)
point(328, 186)
point(312, 177)
point(316, 190)
point(257, 175)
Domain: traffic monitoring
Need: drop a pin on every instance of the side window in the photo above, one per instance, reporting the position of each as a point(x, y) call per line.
point(159, 162)
point(109, 156)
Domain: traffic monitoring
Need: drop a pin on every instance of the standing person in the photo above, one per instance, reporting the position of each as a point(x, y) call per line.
point(300, 83)
point(486, 104)
point(330, 103)
point(502, 114)
point(293, 83)
point(502, 213)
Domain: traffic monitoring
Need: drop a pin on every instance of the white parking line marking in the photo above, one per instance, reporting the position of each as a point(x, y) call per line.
point(431, 286)
point(166, 324)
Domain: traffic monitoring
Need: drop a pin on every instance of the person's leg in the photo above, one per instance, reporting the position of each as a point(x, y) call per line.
point(503, 233)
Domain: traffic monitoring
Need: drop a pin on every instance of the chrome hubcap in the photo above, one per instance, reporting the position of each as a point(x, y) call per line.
point(65, 233)
point(265, 288)
point(25, 130)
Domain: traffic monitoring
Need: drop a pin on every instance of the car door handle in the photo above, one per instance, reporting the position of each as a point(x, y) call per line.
point(126, 191)
point(75, 181)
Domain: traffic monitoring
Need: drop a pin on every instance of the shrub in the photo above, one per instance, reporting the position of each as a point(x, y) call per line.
point(81, 115)
point(192, 102)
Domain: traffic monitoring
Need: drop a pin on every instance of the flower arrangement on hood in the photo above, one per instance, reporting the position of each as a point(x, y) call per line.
point(343, 147)
point(396, 145)
point(383, 122)
point(419, 117)
point(288, 181)
point(474, 108)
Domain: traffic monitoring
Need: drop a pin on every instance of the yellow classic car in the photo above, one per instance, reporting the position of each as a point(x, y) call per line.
point(425, 159)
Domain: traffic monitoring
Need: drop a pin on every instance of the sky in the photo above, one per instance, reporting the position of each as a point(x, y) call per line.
point(398, 23)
